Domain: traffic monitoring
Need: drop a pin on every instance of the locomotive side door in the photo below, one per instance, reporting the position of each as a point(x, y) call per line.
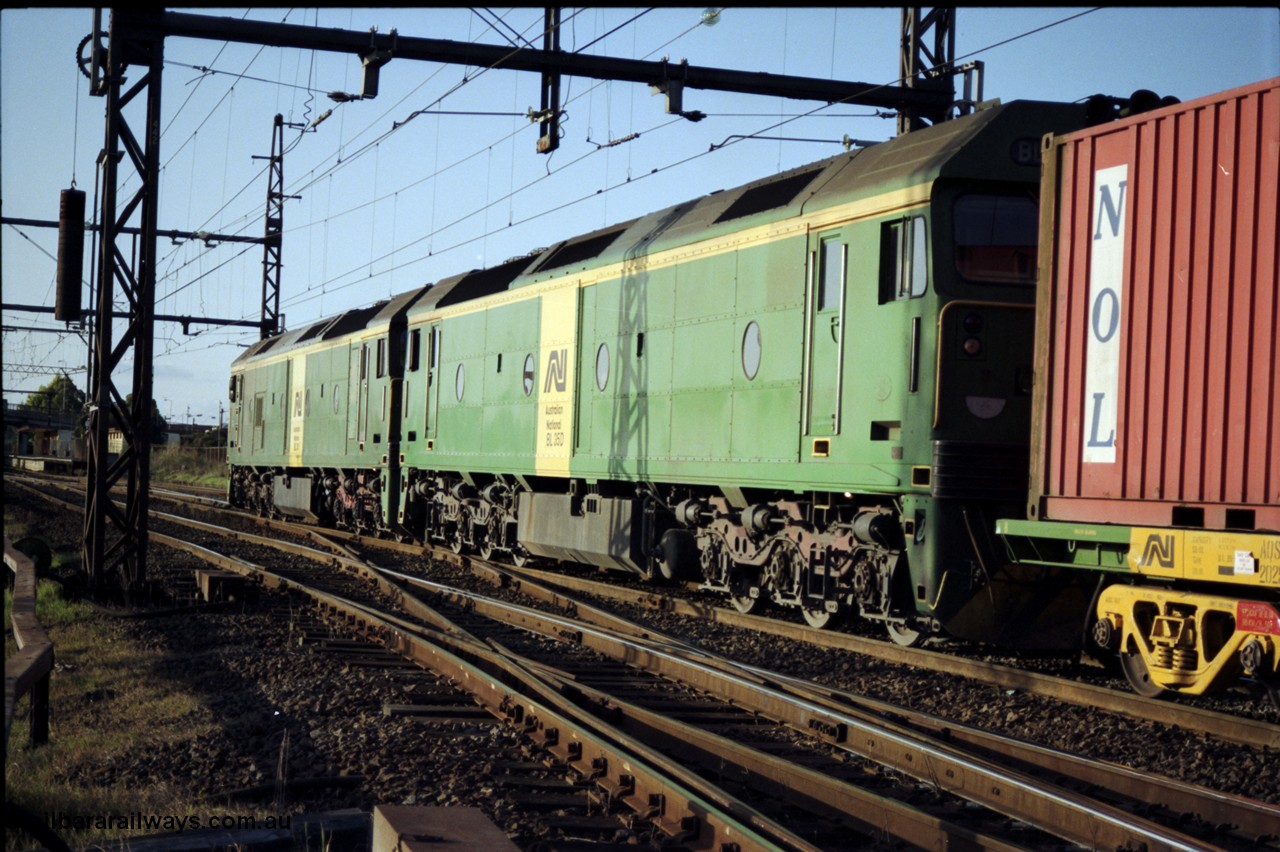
point(824, 333)
point(358, 408)
point(259, 421)
point(433, 380)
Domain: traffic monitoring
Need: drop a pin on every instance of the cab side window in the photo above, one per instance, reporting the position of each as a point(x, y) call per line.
point(904, 260)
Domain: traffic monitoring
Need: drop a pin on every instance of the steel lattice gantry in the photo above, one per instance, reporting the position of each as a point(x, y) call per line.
point(271, 241)
point(924, 66)
point(115, 540)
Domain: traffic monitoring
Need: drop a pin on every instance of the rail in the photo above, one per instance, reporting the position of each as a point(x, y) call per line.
point(1082, 816)
point(1079, 816)
point(29, 670)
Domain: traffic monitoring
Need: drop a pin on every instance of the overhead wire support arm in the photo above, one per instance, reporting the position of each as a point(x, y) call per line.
point(204, 236)
point(549, 115)
point(553, 62)
point(186, 321)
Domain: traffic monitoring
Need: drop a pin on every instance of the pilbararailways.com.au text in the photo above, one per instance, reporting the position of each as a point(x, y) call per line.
point(138, 821)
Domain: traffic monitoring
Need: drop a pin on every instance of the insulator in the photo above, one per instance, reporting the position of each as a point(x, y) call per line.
point(70, 256)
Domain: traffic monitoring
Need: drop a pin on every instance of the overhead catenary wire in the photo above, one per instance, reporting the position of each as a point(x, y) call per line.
point(325, 286)
point(613, 187)
point(340, 161)
point(347, 160)
point(479, 150)
point(734, 139)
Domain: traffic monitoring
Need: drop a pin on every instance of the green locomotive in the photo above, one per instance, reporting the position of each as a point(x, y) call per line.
point(813, 390)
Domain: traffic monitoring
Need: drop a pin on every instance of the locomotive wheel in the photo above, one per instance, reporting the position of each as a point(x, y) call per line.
point(741, 580)
point(520, 557)
point(819, 618)
point(490, 543)
point(903, 635)
point(1139, 677)
point(456, 543)
point(488, 537)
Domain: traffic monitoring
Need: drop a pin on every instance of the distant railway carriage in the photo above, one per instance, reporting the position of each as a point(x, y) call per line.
point(813, 391)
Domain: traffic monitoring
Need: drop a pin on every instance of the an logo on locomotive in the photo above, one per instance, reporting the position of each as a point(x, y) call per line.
point(557, 368)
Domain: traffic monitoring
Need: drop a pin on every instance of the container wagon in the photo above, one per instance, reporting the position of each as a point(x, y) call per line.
point(1156, 417)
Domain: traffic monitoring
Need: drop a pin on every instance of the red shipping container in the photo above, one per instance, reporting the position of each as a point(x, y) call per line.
point(1157, 399)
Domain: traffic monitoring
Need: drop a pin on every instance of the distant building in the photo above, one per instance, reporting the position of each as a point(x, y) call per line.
point(184, 434)
point(49, 442)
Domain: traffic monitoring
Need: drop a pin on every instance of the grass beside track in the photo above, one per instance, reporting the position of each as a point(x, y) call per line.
point(189, 467)
point(109, 703)
point(105, 708)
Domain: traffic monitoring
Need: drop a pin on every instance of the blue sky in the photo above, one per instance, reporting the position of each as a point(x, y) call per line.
point(384, 211)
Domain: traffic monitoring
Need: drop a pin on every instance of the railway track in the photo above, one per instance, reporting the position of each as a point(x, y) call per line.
point(1240, 716)
point(1246, 720)
point(940, 755)
point(1107, 693)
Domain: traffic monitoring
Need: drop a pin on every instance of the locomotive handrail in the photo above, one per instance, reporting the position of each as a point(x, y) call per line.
point(28, 671)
